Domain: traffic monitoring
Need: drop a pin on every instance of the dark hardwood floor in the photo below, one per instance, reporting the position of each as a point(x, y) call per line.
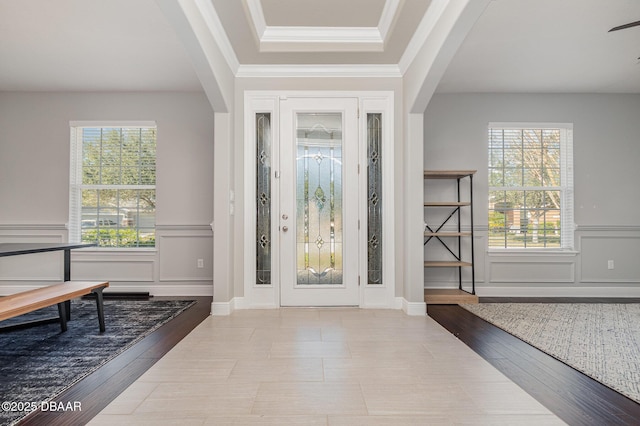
point(101, 387)
point(574, 397)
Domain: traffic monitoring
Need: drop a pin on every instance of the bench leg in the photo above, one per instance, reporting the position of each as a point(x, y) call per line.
point(63, 316)
point(67, 309)
point(100, 306)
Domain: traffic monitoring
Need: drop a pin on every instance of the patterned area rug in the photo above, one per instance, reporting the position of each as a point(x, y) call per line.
point(39, 363)
point(600, 340)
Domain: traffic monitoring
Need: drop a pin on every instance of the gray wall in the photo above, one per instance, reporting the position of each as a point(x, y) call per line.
point(34, 188)
point(606, 149)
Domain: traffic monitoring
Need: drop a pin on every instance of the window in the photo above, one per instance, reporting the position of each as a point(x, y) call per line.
point(113, 184)
point(263, 201)
point(374, 198)
point(530, 186)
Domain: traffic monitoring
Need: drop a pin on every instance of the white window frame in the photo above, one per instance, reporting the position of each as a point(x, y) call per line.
point(566, 188)
point(75, 176)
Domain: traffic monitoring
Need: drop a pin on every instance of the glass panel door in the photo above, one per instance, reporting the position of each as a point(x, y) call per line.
point(319, 202)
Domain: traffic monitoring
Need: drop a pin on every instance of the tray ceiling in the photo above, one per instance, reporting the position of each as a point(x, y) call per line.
point(542, 46)
point(328, 32)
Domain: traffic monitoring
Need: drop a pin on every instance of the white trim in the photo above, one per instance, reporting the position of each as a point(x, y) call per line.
point(235, 304)
point(607, 228)
point(111, 186)
point(124, 124)
point(227, 308)
point(506, 252)
point(387, 17)
point(33, 227)
point(556, 291)
point(212, 20)
point(322, 39)
point(197, 228)
point(222, 308)
point(257, 17)
point(414, 308)
point(337, 70)
point(425, 28)
point(515, 125)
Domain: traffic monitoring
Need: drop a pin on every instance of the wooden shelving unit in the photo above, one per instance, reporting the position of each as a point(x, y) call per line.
point(460, 295)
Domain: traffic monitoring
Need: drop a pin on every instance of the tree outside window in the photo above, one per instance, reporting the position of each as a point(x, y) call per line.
point(113, 196)
point(530, 187)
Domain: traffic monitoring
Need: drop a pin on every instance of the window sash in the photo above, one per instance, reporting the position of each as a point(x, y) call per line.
point(77, 187)
point(566, 173)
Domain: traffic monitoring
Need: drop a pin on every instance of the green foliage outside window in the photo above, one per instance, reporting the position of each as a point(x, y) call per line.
point(118, 238)
point(118, 193)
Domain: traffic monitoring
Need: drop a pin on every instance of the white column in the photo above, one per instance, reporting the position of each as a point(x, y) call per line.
point(413, 297)
point(223, 215)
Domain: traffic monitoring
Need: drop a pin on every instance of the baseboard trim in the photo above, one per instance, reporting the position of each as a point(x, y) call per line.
point(630, 291)
point(414, 308)
point(221, 308)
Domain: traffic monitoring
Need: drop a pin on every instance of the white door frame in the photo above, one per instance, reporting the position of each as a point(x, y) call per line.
point(268, 295)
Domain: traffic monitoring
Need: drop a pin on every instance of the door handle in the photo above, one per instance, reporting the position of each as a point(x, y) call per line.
point(285, 228)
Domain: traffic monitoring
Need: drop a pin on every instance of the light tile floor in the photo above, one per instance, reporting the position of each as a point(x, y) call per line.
point(325, 366)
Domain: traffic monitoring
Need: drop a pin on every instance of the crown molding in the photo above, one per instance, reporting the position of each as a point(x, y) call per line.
point(338, 70)
point(257, 16)
point(322, 39)
point(212, 21)
point(387, 17)
point(425, 28)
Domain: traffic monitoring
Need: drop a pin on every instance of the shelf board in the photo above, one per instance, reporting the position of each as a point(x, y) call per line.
point(447, 174)
point(447, 234)
point(446, 203)
point(448, 296)
point(444, 263)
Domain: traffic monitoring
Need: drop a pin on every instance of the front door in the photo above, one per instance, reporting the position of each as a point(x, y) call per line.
point(318, 217)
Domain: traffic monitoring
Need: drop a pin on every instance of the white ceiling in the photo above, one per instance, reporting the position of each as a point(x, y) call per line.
point(95, 45)
point(128, 45)
point(549, 46)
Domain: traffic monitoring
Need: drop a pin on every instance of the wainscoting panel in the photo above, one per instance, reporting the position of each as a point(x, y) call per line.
point(180, 250)
point(116, 268)
point(622, 249)
point(531, 271)
point(170, 269)
point(32, 267)
point(37, 267)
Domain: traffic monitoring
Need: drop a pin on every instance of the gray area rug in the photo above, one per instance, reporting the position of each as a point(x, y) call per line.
point(39, 363)
point(600, 340)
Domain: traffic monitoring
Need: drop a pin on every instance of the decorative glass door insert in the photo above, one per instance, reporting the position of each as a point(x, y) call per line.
point(263, 199)
point(319, 198)
point(374, 198)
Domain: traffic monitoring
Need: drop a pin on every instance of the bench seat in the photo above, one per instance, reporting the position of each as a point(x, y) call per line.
point(31, 300)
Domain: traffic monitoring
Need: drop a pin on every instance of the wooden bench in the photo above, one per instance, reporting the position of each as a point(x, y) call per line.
point(60, 294)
